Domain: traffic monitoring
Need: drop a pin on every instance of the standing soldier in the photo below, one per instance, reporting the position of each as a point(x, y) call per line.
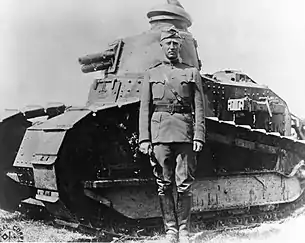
point(172, 130)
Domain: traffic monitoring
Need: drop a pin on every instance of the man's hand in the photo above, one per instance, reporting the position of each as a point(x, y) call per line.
point(197, 146)
point(146, 148)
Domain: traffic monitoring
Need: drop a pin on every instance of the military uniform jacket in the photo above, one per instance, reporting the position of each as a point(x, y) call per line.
point(166, 127)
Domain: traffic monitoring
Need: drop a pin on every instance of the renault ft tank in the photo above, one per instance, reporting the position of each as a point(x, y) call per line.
point(82, 164)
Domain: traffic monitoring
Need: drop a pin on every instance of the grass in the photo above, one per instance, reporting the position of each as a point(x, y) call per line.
point(39, 231)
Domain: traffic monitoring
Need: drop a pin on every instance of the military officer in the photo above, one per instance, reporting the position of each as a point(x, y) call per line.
point(172, 131)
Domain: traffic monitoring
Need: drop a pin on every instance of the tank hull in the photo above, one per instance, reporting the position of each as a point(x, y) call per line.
point(85, 164)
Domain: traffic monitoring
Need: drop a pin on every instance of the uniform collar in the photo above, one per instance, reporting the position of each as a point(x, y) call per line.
point(168, 62)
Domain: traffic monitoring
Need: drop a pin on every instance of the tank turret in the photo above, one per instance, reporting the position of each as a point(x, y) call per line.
point(126, 60)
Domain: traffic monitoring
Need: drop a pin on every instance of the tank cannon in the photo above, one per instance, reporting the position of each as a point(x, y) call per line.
point(96, 62)
point(96, 58)
point(101, 61)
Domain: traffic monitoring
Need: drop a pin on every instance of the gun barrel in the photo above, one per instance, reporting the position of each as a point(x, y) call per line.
point(93, 67)
point(95, 58)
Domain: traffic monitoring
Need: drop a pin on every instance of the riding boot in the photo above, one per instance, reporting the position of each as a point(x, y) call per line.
point(184, 204)
point(169, 217)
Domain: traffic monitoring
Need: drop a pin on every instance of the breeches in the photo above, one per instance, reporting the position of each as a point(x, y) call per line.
point(175, 163)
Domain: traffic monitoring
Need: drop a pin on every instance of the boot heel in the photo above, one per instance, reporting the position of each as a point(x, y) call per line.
point(168, 210)
point(184, 205)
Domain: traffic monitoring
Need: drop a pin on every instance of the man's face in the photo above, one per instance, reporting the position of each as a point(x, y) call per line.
point(171, 48)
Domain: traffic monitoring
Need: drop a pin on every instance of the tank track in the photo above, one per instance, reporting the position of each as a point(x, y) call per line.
point(256, 215)
point(128, 229)
point(259, 139)
point(200, 222)
point(227, 221)
point(212, 221)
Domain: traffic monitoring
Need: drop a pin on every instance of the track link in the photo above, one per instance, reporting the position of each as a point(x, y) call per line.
point(213, 223)
point(126, 229)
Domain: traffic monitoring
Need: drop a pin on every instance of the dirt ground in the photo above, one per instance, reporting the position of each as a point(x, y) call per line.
point(291, 229)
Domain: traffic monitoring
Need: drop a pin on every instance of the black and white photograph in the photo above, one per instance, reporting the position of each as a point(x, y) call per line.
point(152, 121)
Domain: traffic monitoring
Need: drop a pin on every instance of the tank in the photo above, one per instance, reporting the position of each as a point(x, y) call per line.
point(82, 165)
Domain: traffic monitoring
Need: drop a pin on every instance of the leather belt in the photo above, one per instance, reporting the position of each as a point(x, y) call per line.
point(172, 108)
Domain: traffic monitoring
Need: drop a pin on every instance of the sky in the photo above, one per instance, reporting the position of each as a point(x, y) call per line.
point(41, 40)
